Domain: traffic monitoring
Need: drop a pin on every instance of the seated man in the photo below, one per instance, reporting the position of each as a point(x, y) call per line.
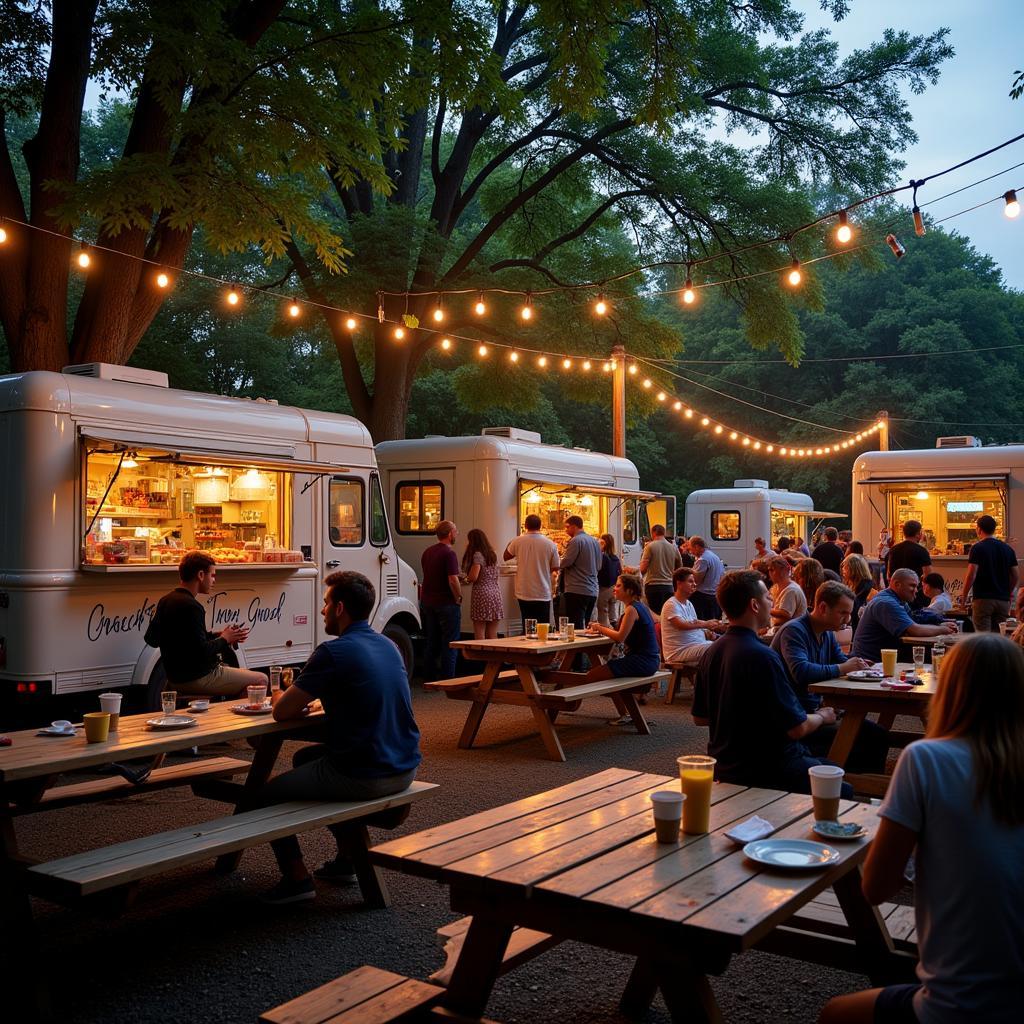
point(810, 651)
point(372, 742)
point(886, 618)
point(934, 587)
point(683, 640)
point(742, 694)
point(788, 601)
point(190, 653)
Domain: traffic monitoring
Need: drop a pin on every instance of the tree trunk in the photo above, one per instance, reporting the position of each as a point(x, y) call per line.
point(395, 365)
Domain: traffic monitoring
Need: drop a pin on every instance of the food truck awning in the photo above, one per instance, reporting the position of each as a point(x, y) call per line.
point(813, 513)
point(583, 487)
point(277, 457)
point(913, 481)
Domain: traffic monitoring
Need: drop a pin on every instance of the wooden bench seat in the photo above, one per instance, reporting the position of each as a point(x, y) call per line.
point(452, 687)
point(125, 864)
point(524, 945)
point(602, 688)
point(680, 673)
point(116, 787)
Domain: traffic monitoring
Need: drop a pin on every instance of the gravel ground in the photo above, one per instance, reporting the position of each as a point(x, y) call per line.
point(199, 947)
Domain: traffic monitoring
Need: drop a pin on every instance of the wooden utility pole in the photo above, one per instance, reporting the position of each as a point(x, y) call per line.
point(619, 401)
point(883, 431)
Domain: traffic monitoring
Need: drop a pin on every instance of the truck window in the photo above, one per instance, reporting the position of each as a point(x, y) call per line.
point(629, 521)
point(378, 517)
point(345, 512)
point(948, 512)
point(725, 525)
point(419, 505)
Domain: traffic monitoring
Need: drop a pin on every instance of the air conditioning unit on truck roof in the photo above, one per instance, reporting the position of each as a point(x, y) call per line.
point(961, 441)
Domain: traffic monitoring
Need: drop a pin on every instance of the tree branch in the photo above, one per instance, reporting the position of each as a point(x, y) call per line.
point(584, 226)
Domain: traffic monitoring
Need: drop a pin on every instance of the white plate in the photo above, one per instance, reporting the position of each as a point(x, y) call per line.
point(866, 676)
point(170, 722)
point(791, 854)
point(244, 709)
point(822, 828)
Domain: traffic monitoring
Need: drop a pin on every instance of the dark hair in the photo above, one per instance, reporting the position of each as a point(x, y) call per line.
point(657, 530)
point(532, 522)
point(779, 562)
point(696, 541)
point(354, 591)
point(911, 528)
point(831, 593)
point(193, 564)
point(832, 534)
point(737, 589)
point(784, 542)
point(855, 548)
point(681, 574)
point(760, 540)
point(986, 524)
point(632, 584)
point(933, 579)
point(831, 574)
point(444, 529)
point(574, 521)
point(476, 540)
point(609, 543)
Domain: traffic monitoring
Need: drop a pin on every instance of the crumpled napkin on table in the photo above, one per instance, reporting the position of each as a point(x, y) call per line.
point(753, 828)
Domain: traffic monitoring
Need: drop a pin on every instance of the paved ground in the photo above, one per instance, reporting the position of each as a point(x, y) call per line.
point(200, 948)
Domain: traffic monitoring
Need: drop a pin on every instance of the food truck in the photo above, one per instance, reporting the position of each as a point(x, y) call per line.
point(494, 481)
point(729, 518)
point(111, 476)
point(945, 489)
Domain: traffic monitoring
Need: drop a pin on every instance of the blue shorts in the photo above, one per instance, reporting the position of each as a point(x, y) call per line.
point(895, 1005)
point(634, 665)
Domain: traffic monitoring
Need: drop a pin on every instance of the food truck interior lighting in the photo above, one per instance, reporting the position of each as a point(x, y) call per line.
point(1012, 207)
point(921, 496)
point(130, 461)
point(844, 232)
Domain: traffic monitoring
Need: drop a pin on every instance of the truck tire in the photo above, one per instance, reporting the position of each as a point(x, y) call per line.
point(401, 639)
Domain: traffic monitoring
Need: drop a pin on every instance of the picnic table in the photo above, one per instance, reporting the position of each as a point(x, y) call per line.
point(581, 862)
point(545, 694)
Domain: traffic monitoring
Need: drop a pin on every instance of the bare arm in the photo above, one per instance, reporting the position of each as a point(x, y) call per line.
point(1014, 577)
point(455, 587)
point(508, 556)
point(625, 625)
point(887, 860)
point(918, 629)
point(972, 571)
point(815, 720)
point(474, 572)
point(290, 703)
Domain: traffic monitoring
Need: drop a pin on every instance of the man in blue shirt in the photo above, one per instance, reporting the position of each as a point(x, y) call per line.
point(811, 654)
point(742, 694)
point(885, 618)
point(708, 571)
point(371, 742)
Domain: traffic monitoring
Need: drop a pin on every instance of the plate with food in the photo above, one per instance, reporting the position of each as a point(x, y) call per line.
point(839, 829)
point(866, 675)
point(170, 722)
point(249, 709)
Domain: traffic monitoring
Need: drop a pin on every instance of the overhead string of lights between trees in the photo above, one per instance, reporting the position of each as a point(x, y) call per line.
point(792, 275)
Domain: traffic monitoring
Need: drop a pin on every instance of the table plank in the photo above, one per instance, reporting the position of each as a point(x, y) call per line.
point(520, 645)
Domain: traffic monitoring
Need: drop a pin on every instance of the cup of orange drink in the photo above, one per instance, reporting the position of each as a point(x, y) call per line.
point(696, 776)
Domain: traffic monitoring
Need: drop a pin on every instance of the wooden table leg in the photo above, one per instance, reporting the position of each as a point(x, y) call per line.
point(684, 987)
point(634, 712)
point(545, 726)
point(478, 966)
point(371, 877)
point(882, 963)
point(640, 990)
point(846, 736)
point(886, 719)
point(482, 698)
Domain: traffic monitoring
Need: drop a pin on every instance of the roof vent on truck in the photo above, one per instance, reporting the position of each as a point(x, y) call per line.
point(512, 433)
point(750, 483)
point(124, 374)
point(960, 441)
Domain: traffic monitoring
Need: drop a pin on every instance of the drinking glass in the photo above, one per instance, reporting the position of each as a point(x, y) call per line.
point(257, 695)
point(169, 701)
point(287, 677)
point(275, 678)
point(563, 625)
point(918, 653)
point(531, 629)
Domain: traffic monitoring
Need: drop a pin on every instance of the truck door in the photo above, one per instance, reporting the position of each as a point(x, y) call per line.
point(346, 546)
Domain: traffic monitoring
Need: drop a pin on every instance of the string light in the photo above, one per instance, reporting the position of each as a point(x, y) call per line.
point(482, 351)
point(677, 406)
point(513, 356)
point(438, 312)
point(795, 276)
point(662, 396)
point(232, 298)
point(632, 368)
point(84, 259)
point(399, 333)
point(898, 249)
point(162, 280)
point(600, 307)
point(351, 323)
point(1012, 208)
point(542, 362)
point(586, 364)
point(567, 364)
point(526, 313)
point(606, 367)
point(481, 307)
point(3, 235)
point(844, 232)
point(689, 295)
point(294, 309)
point(647, 382)
point(446, 344)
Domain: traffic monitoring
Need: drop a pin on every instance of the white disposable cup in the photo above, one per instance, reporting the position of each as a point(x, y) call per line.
point(668, 814)
point(826, 780)
point(111, 702)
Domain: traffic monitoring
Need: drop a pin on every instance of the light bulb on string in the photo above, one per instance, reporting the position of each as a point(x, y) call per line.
point(689, 295)
point(600, 307)
point(84, 259)
point(733, 436)
point(704, 421)
point(677, 406)
point(1012, 207)
point(399, 333)
point(526, 312)
point(719, 428)
point(481, 307)
point(294, 309)
point(542, 362)
point(567, 363)
point(586, 364)
point(351, 323)
point(3, 234)
point(688, 414)
point(232, 298)
point(770, 448)
point(844, 232)
point(746, 442)
point(438, 312)
point(633, 368)
point(513, 356)
point(606, 367)
point(795, 275)
point(162, 280)
point(446, 344)
point(662, 396)
point(647, 382)
point(482, 351)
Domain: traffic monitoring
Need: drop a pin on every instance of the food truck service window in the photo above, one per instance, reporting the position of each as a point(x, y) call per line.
point(947, 511)
point(419, 505)
point(785, 524)
point(554, 503)
point(345, 508)
point(140, 507)
point(725, 525)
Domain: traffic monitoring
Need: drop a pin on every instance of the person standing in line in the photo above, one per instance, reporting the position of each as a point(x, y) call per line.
point(911, 553)
point(580, 565)
point(660, 559)
point(762, 550)
point(480, 567)
point(536, 558)
point(956, 801)
point(993, 574)
point(801, 546)
point(611, 569)
point(441, 601)
point(708, 570)
point(828, 552)
point(684, 552)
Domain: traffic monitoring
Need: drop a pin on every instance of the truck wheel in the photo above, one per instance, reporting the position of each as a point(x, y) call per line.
point(401, 639)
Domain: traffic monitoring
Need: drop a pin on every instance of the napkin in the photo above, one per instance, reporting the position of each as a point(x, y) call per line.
point(753, 828)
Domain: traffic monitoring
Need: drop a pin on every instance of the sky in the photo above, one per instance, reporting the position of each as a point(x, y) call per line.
point(967, 112)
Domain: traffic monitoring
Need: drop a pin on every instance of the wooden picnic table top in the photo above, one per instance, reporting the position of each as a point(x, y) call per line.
point(32, 756)
point(510, 646)
point(874, 690)
point(946, 638)
point(582, 861)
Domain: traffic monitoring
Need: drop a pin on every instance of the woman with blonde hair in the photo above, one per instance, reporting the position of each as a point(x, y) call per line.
point(480, 567)
point(809, 574)
point(957, 797)
point(856, 574)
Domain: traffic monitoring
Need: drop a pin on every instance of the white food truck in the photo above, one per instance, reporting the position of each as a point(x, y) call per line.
point(494, 481)
point(729, 518)
point(110, 476)
point(945, 489)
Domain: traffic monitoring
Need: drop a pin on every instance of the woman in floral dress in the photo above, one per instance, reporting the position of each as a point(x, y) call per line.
point(480, 567)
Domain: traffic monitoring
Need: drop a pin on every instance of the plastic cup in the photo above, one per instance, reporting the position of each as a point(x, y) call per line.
point(169, 701)
point(275, 678)
point(889, 661)
point(542, 631)
point(257, 695)
point(696, 777)
point(826, 787)
point(531, 629)
point(111, 703)
point(667, 806)
point(97, 726)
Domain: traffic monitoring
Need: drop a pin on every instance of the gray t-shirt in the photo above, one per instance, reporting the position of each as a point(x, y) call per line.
point(663, 559)
point(969, 898)
point(536, 558)
point(580, 563)
point(711, 566)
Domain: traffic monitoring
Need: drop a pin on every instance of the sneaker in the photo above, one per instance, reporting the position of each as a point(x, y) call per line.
point(290, 892)
point(340, 871)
